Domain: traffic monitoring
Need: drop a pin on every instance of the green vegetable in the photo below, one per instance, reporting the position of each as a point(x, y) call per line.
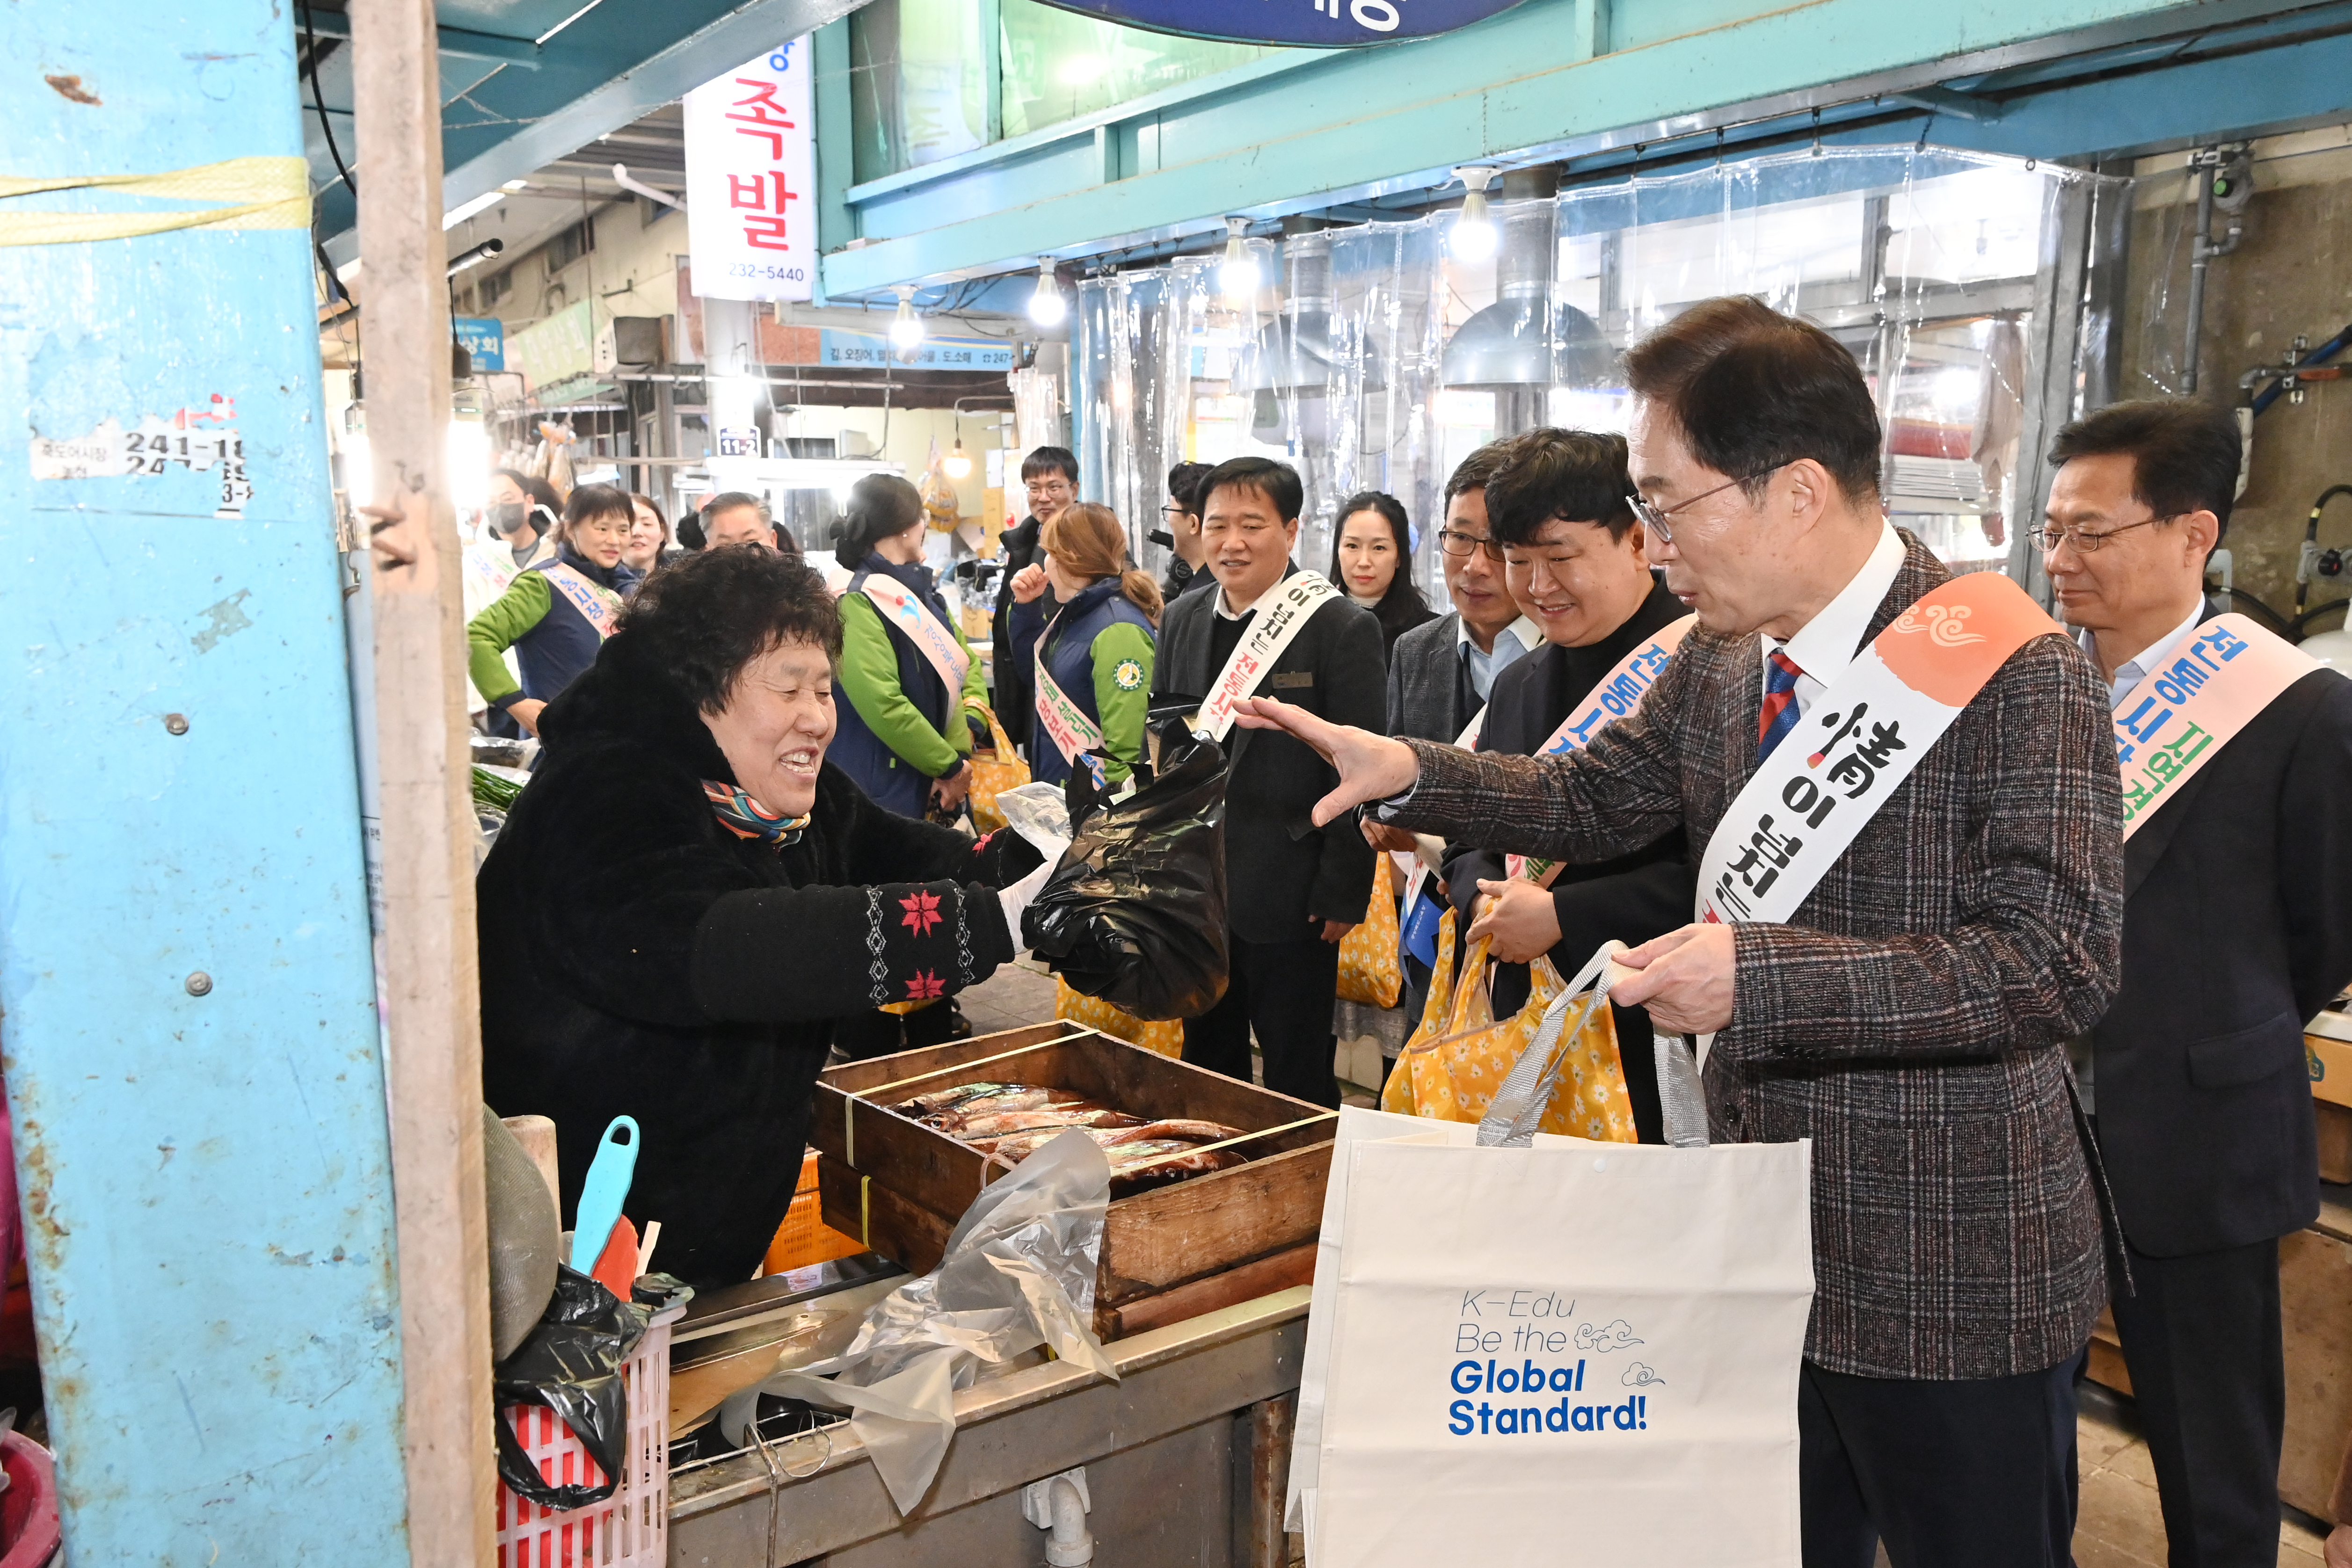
point(489, 789)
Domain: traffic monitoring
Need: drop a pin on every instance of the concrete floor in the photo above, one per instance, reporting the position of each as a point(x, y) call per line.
point(2120, 1525)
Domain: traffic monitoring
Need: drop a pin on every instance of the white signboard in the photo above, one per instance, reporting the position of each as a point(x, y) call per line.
point(750, 180)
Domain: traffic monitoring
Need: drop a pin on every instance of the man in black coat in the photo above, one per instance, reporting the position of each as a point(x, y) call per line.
point(1292, 890)
point(1050, 476)
point(2237, 927)
point(1575, 561)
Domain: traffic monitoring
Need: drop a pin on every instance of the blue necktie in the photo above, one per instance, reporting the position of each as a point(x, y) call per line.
point(1780, 712)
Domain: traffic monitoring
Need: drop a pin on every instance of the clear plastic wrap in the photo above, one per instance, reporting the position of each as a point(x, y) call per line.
point(1018, 1273)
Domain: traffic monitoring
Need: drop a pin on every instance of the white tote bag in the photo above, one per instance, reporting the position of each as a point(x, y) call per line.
point(1573, 1353)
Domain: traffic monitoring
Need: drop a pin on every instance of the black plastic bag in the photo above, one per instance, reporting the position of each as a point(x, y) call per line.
point(572, 1363)
point(1135, 913)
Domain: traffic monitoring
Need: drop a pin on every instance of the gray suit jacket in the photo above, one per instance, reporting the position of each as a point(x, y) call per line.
point(1912, 1019)
point(1425, 683)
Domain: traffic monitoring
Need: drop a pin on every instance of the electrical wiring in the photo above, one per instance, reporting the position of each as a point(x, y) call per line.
point(319, 100)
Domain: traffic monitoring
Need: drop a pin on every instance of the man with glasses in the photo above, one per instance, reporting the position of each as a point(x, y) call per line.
point(1909, 1012)
point(1181, 533)
point(2237, 926)
point(1441, 672)
point(1050, 474)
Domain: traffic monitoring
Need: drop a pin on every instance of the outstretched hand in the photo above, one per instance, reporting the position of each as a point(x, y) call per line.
point(1372, 767)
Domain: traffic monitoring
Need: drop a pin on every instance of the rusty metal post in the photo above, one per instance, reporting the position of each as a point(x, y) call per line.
point(431, 985)
point(1270, 1421)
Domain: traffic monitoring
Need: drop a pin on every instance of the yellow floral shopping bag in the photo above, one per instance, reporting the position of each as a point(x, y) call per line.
point(1452, 1072)
point(1165, 1038)
point(1369, 974)
point(995, 769)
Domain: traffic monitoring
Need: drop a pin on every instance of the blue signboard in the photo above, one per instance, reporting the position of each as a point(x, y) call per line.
point(1316, 24)
point(485, 337)
point(872, 351)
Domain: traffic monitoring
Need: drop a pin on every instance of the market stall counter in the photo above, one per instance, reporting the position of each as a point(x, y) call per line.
point(1184, 1462)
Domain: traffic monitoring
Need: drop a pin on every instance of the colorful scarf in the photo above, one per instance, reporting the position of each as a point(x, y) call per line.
point(747, 819)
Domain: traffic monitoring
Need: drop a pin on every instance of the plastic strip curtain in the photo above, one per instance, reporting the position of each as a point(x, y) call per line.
point(1372, 359)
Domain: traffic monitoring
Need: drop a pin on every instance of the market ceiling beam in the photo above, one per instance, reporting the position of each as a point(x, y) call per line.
point(611, 65)
point(1302, 133)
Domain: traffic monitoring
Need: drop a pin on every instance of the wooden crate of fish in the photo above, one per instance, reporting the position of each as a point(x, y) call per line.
point(1217, 1184)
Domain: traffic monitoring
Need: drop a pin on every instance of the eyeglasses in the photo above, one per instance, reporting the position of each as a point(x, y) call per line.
point(1173, 510)
point(1050, 488)
point(1653, 517)
point(1459, 544)
point(2082, 543)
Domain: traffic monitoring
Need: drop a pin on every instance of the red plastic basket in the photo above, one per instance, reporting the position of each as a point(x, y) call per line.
point(631, 1526)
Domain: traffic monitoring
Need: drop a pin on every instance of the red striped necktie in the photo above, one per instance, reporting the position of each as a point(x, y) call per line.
point(1780, 712)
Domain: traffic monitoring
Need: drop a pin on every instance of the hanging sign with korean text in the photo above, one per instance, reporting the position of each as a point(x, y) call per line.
point(1316, 24)
point(750, 180)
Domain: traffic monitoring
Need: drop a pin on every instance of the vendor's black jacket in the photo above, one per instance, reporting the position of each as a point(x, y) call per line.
point(1632, 898)
point(2237, 927)
point(638, 958)
point(1283, 875)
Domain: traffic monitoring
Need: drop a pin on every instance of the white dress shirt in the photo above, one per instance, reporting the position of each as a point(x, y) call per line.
point(1513, 643)
point(1826, 645)
point(2133, 670)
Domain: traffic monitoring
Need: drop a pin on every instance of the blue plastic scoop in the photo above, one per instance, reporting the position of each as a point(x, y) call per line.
point(603, 1193)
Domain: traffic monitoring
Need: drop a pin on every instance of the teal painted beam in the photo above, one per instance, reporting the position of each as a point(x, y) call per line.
point(836, 221)
point(1525, 84)
point(190, 1044)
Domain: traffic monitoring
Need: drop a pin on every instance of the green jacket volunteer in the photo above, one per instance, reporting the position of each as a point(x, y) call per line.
point(905, 667)
point(556, 612)
point(1091, 667)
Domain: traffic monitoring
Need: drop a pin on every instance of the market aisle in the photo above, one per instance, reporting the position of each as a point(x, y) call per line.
point(2120, 1525)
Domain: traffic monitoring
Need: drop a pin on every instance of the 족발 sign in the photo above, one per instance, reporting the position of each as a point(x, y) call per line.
point(1316, 24)
point(750, 180)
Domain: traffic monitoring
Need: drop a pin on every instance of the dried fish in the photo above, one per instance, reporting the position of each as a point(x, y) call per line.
point(997, 1123)
point(1187, 1131)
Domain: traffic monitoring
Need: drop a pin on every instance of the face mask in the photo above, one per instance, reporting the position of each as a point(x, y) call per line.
point(505, 517)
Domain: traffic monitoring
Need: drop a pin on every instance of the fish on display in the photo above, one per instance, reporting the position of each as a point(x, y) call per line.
point(995, 1125)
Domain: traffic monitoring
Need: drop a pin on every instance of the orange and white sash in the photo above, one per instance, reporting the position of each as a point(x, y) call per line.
point(1831, 773)
point(598, 605)
point(900, 607)
point(1282, 613)
point(1846, 758)
point(2205, 689)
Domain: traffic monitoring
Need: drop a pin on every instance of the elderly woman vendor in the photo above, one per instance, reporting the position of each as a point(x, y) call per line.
point(687, 894)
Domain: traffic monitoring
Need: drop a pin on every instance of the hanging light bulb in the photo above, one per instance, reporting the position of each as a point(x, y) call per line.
point(1046, 307)
point(1237, 275)
point(959, 461)
point(905, 328)
point(1474, 235)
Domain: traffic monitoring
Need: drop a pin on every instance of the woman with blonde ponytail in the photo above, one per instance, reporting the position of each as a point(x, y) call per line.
point(1093, 662)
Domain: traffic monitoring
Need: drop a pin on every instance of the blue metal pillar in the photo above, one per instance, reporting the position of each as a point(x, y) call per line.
point(190, 1033)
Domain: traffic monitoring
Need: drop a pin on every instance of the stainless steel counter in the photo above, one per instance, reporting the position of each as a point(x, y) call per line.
point(1186, 1457)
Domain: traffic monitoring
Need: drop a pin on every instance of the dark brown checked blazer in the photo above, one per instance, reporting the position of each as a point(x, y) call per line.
point(1911, 1019)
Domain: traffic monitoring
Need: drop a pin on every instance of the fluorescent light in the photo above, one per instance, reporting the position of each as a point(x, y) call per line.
point(464, 210)
point(516, 186)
